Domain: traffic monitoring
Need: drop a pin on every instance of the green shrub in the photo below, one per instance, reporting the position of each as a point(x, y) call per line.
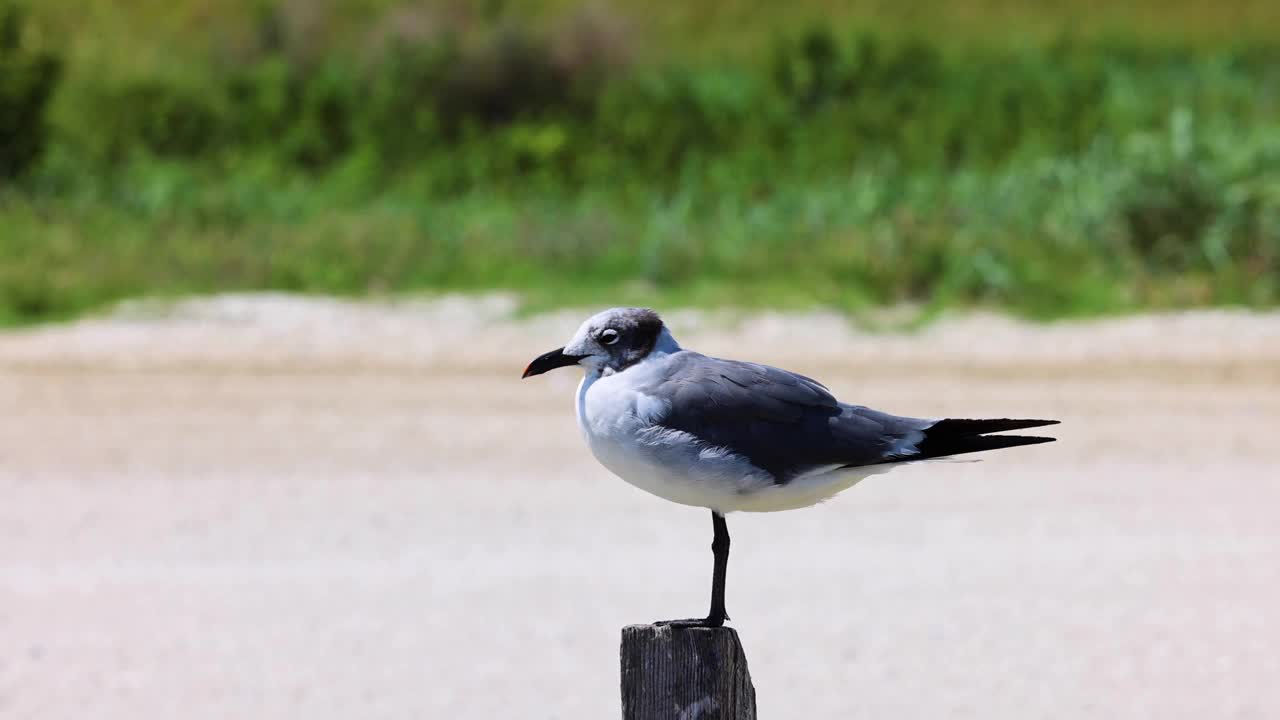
point(842, 168)
point(506, 105)
point(27, 81)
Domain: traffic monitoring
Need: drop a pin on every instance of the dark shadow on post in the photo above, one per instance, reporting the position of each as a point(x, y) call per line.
point(685, 674)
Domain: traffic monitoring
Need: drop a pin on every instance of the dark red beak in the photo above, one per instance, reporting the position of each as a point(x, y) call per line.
point(550, 361)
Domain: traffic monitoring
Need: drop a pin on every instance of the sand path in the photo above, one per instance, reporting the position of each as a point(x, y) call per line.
point(264, 507)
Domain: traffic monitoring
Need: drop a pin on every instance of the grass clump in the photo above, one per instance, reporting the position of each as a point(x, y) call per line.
point(842, 168)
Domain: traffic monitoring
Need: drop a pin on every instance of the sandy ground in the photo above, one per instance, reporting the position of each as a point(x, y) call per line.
point(262, 507)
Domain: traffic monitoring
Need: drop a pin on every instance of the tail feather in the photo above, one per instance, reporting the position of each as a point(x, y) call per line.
point(958, 436)
point(964, 428)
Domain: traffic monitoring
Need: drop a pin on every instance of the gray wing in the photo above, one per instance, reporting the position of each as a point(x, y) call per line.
point(784, 423)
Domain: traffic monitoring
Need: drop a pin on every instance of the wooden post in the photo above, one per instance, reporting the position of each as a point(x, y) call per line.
point(685, 674)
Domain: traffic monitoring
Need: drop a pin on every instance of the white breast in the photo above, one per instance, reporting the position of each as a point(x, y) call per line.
point(617, 421)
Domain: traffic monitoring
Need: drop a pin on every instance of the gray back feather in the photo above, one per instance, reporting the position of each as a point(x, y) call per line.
point(783, 422)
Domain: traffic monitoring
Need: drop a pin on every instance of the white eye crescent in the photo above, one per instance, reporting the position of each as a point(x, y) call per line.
point(609, 336)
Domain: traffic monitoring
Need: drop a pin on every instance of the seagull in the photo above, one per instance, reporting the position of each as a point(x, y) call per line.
point(737, 436)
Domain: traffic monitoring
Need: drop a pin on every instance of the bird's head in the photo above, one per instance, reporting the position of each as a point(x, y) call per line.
point(611, 340)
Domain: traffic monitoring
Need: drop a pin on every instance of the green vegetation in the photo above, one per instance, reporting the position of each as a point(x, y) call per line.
point(380, 147)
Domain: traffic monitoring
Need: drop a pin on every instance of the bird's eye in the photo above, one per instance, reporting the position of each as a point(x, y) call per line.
point(609, 336)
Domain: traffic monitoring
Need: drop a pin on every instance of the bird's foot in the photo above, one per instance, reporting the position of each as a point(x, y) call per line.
point(706, 622)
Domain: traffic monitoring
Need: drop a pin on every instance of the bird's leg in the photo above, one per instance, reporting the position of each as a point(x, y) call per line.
point(720, 552)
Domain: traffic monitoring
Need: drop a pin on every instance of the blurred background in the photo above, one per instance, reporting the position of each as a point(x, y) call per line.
point(269, 270)
point(1052, 158)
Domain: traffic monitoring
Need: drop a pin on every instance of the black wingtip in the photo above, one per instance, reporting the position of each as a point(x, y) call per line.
point(960, 427)
point(944, 446)
point(955, 436)
point(1003, 441)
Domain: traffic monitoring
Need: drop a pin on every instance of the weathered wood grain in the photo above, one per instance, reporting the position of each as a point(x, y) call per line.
point(685, 674)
